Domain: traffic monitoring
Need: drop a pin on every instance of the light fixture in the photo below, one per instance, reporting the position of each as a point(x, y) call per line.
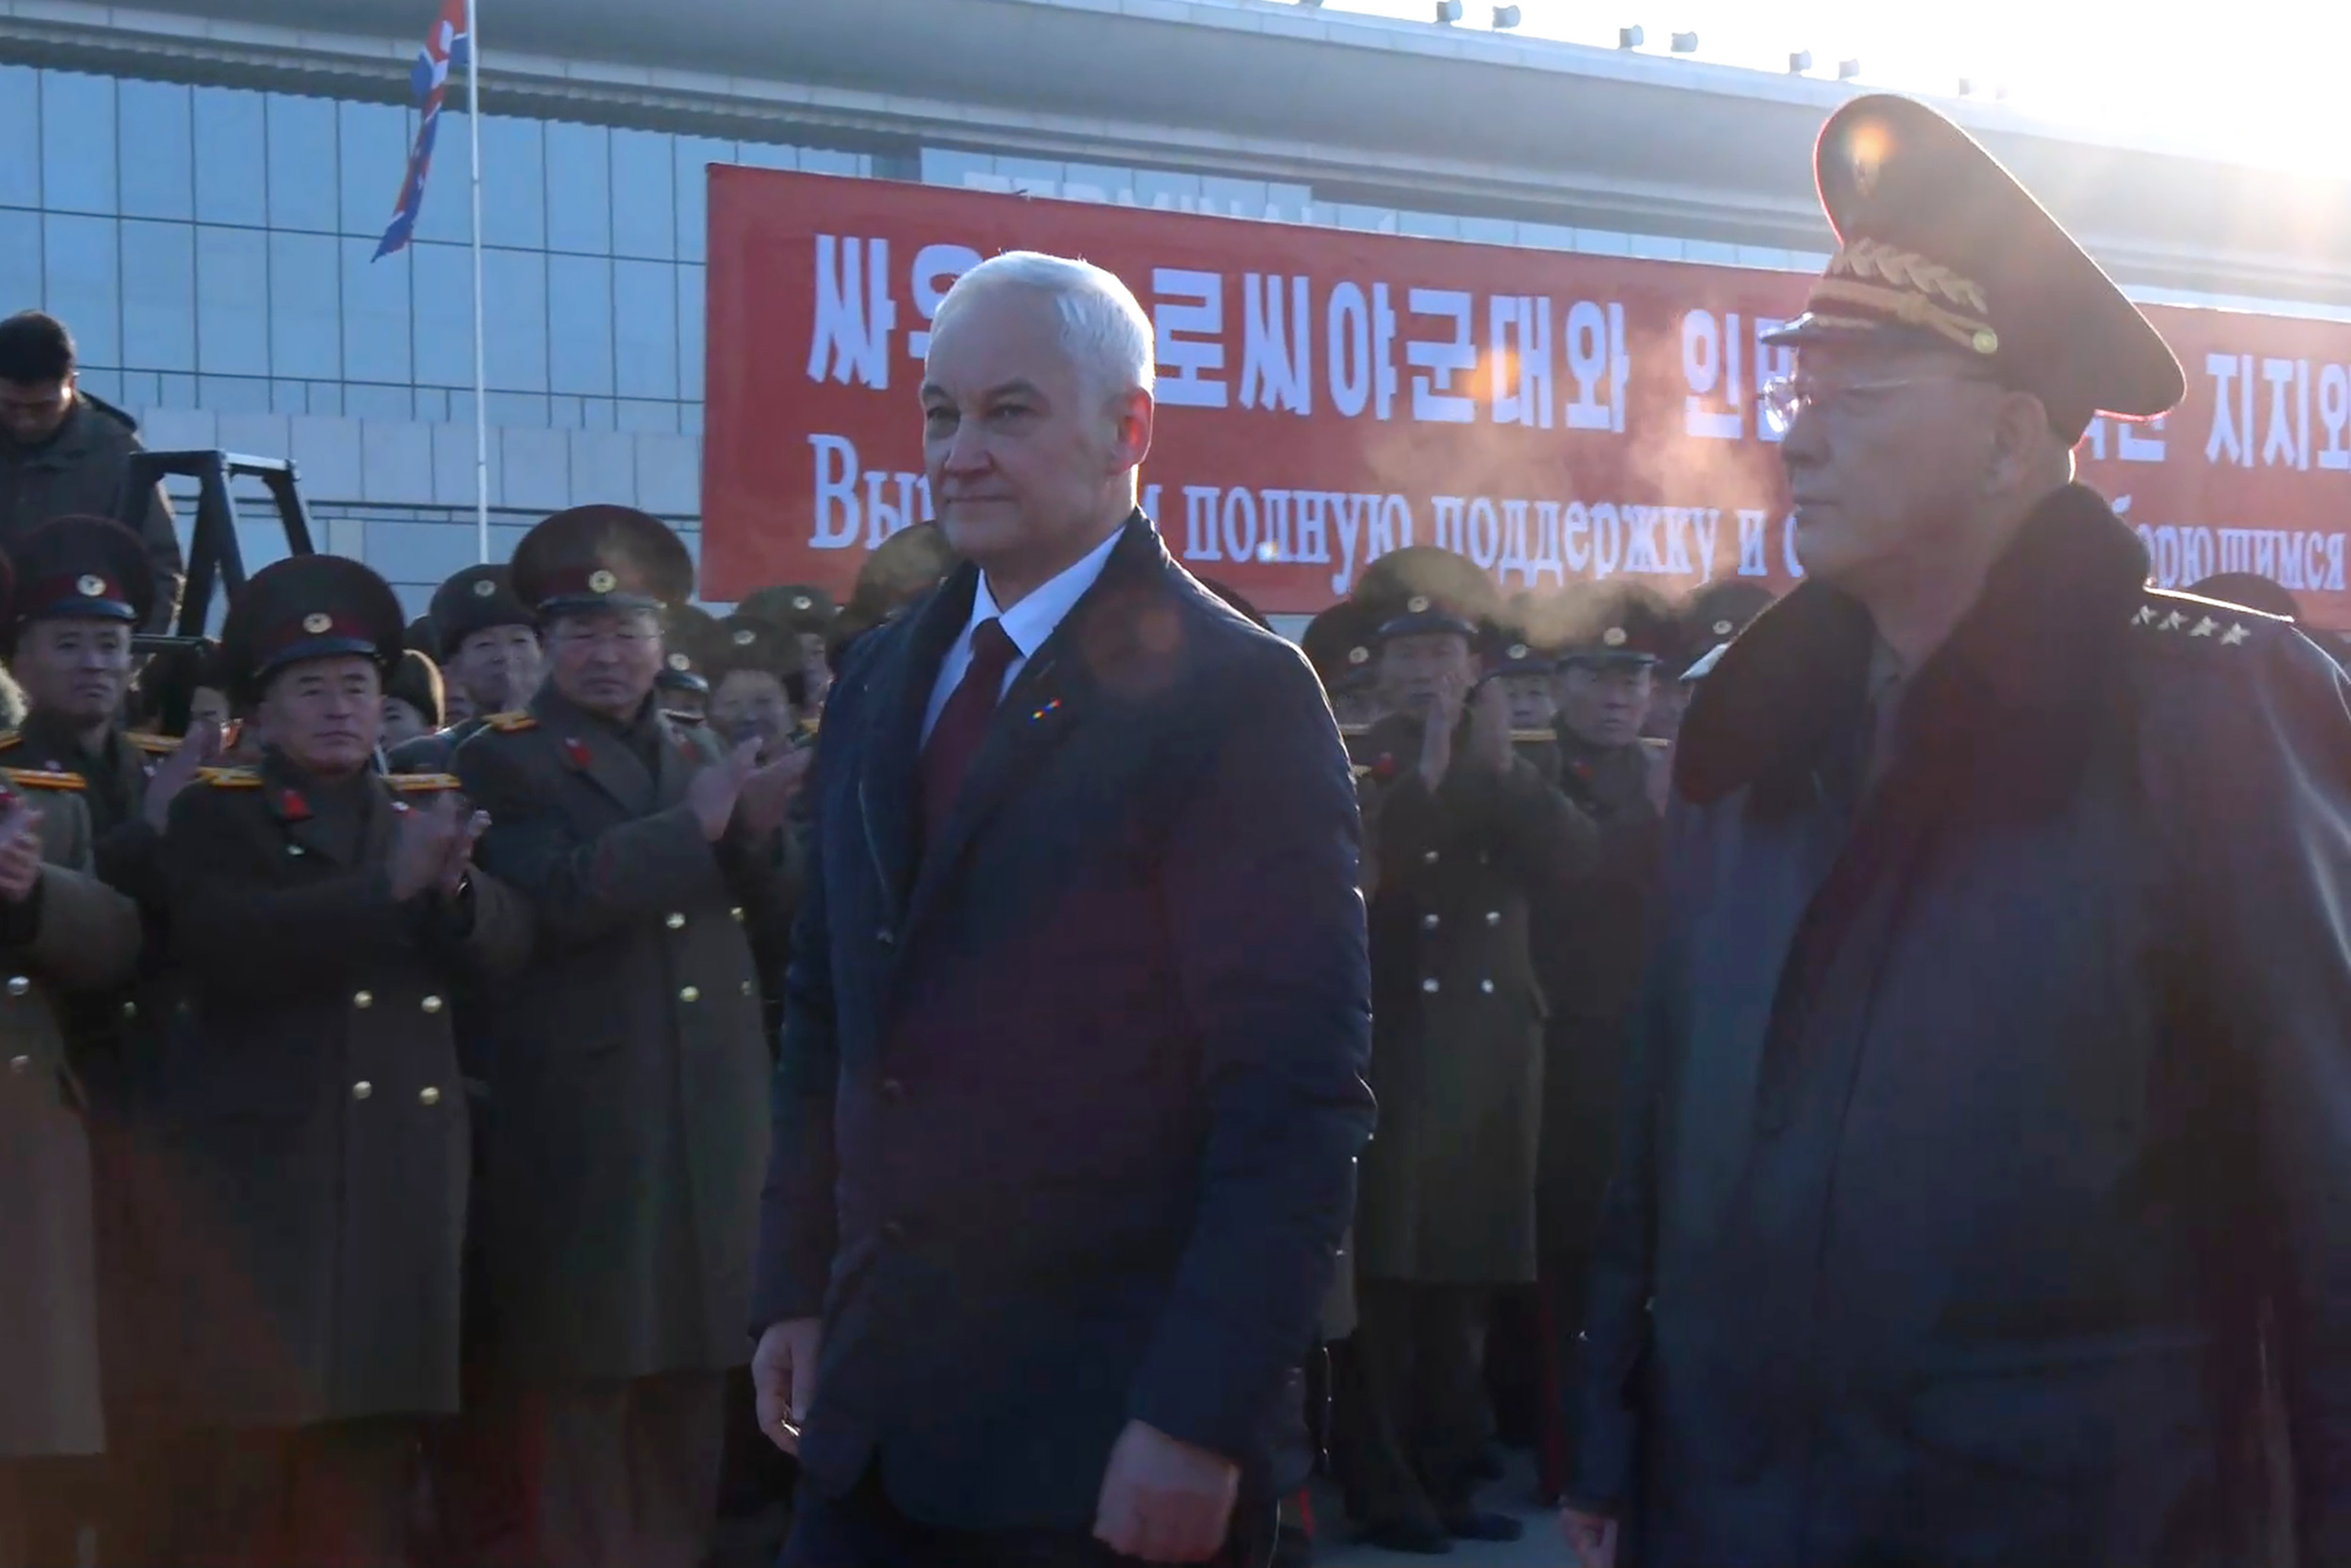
point(1505, 18)
point(1799, 62)
point(1685, 43)
point(1847, 70)
point(1630, 37)
point(1448, 11)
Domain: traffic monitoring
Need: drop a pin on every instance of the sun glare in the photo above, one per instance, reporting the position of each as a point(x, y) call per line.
point(2255, 82)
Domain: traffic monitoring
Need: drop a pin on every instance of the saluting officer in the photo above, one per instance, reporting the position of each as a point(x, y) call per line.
point(1471, 846)
point(63, 934)
point(629, 1065)
point(314, 1124)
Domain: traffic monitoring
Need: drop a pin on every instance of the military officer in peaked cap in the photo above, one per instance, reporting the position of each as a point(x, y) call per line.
point(690, 640)
point(1468, 842)
point(64, 935)
point(894, 577)
point(486, 642)
point(312, 1122)
point(811, 613)
point(1339, 643)
point(629, 1064)
point(413, 696)
point(1987, 1145)
point(1707, 619)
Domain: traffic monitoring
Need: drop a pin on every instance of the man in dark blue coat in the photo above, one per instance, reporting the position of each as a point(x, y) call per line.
point(1985, 1195)
point(1078, 1015)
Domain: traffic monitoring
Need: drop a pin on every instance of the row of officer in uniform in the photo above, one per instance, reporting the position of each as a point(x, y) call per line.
point(246, 1155)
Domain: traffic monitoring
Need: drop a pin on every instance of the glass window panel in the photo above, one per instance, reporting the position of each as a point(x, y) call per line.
point(232, 163)
point(83, 274)
point(769, 156)
point(373, 153)
point(77, 142)
point(289, 397)
point(644, 328)
point(444, 309)
point(432, 405)
point(305, 329)
point(596, 413)
point(20, 259)
point(361, 402)
point(528, 410)
point(563, 412)
point(695, 156)
point(645, 194)
point(327, 399)
point(514, 295)
point(448, 197)
point(376, 339)
point(579, 188)
point(140, 390)
point(234, 395)
point(158, 175)
point(176, 392)
point(689, 333)
point(514, 183)
point(825, 160)
point(20, 127)
point(579, 316)
point(689, 419)
point(953, 167)
point(232, 301)
point(646, 418)
point(104, 385)
point(302, 163)
point(159, 296)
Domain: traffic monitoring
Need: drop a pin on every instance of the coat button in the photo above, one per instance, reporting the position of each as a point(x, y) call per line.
point(747, 987)
point(737, 912)
point(428, 1095)
point(1486, 986)
point(362, 1089)
point(675, 922)
point(1429, 922)
point(20, 1065)
point(1429, 984)
point(1428, 857)
point(364, 999)
point(893, 1092)
point(689, 994)
point(18, 985)
point(893, 1230)
point(887, 937)
point(1493, 918)
point(430, 1004)
point(130, 1009)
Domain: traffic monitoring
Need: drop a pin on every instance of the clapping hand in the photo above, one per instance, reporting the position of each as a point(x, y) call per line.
point(20, 850)
point(422, 844)
point(201, 746)
point(767, 792)
point(714, 791)
point(460, 863)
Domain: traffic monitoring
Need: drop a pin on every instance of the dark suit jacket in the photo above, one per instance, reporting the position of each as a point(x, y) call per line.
point(1066, 1122)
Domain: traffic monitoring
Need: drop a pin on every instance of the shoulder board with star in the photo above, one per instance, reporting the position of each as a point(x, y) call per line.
point(152, 745)
point(509, 723)
point(1533, 736)
point(10, 740)
point(1354, 731)
point(229, 778)
point(2187, 621)
point(423, 783)
point(42, 778)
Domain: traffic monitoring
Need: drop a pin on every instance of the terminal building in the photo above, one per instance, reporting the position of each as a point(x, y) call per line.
point(199, 189)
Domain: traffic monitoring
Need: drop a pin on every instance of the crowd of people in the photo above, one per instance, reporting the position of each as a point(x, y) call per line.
point(575, 1080)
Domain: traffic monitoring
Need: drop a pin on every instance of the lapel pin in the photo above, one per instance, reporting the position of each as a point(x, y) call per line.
point(575, 751)
point(293, 807)
point(1053, 706)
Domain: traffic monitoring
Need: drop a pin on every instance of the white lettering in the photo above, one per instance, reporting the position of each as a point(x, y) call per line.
point(1241, 524)
point(1704, 368)
point(2224, 445)
point(1547, 561)
point(1773, 361)
point(1450, 511)
point(1277, 365)
point(1706, 522)
point(852, 340)
point(1519, 340)
point(1362, 338)
point(1572, 534)
point(1438, 360)
point(1607, 540)
point(2133, 447)
point(2282, 447)
point(2334, 414)
point(1595, 354)
point(1485, 533)
point(1273, 535)
point(1200, 522)
point(1191, 304)
point(1392, 530)
point(836, 493)
point(881, 519)
point(1313, 526)
point(1751, 524)
point(1348, 511)
point(936, 267)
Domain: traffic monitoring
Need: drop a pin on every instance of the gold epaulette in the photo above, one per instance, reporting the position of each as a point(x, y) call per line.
point(509, 723)
point(152, 745)
point(1360, 769)
point(1533, 737)
point(1656, 743)
point(42, 778)
point(423, 783)
point(230, 778)
point(10, 739)
point(1354, 731)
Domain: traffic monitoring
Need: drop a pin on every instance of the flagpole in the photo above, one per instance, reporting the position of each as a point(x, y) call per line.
point(481, 377)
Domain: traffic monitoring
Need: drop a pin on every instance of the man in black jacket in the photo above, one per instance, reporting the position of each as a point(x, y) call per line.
point(1989, 1142)
point(65, 453)
point(1071, 1086)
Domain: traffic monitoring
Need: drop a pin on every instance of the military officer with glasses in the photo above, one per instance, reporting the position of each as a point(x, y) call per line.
point(1986, 1148)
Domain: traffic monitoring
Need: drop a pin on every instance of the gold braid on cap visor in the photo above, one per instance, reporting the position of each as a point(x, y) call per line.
point(1907, 294)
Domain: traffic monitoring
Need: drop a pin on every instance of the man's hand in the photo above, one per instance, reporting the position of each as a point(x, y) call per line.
point(1489, 727)
point(714, 791)
point(783, 1378)
point(420, 846)
point(460, 862)
point(1162, 1500)
point(1444, 717)
point(176, 773)
point(20, 851)
point(768, 793)
point(1590, 1540)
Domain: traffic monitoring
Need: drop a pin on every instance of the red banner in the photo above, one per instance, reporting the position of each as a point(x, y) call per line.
point(1327, 395)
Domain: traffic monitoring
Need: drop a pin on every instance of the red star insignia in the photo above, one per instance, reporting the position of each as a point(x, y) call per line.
point(575, 751)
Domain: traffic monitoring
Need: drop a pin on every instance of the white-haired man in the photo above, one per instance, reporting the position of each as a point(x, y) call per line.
point(1079, 1009)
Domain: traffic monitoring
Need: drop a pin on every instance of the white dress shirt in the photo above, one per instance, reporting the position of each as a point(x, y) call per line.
point(1028, 624)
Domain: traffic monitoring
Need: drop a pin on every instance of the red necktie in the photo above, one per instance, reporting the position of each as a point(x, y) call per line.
point(963, 724)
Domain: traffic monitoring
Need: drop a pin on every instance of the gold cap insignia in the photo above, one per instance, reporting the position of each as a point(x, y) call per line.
point(484, 588)
point(1517, 651)
point(745, 636)
point(1359, 655)
point(92, 586)
point(1613, 637)
point(1985, 341)
point(601, 582)
point(317, 623)
point(801, 602)
point(1722, 628)
point(1418, 604)
point(679, 661)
